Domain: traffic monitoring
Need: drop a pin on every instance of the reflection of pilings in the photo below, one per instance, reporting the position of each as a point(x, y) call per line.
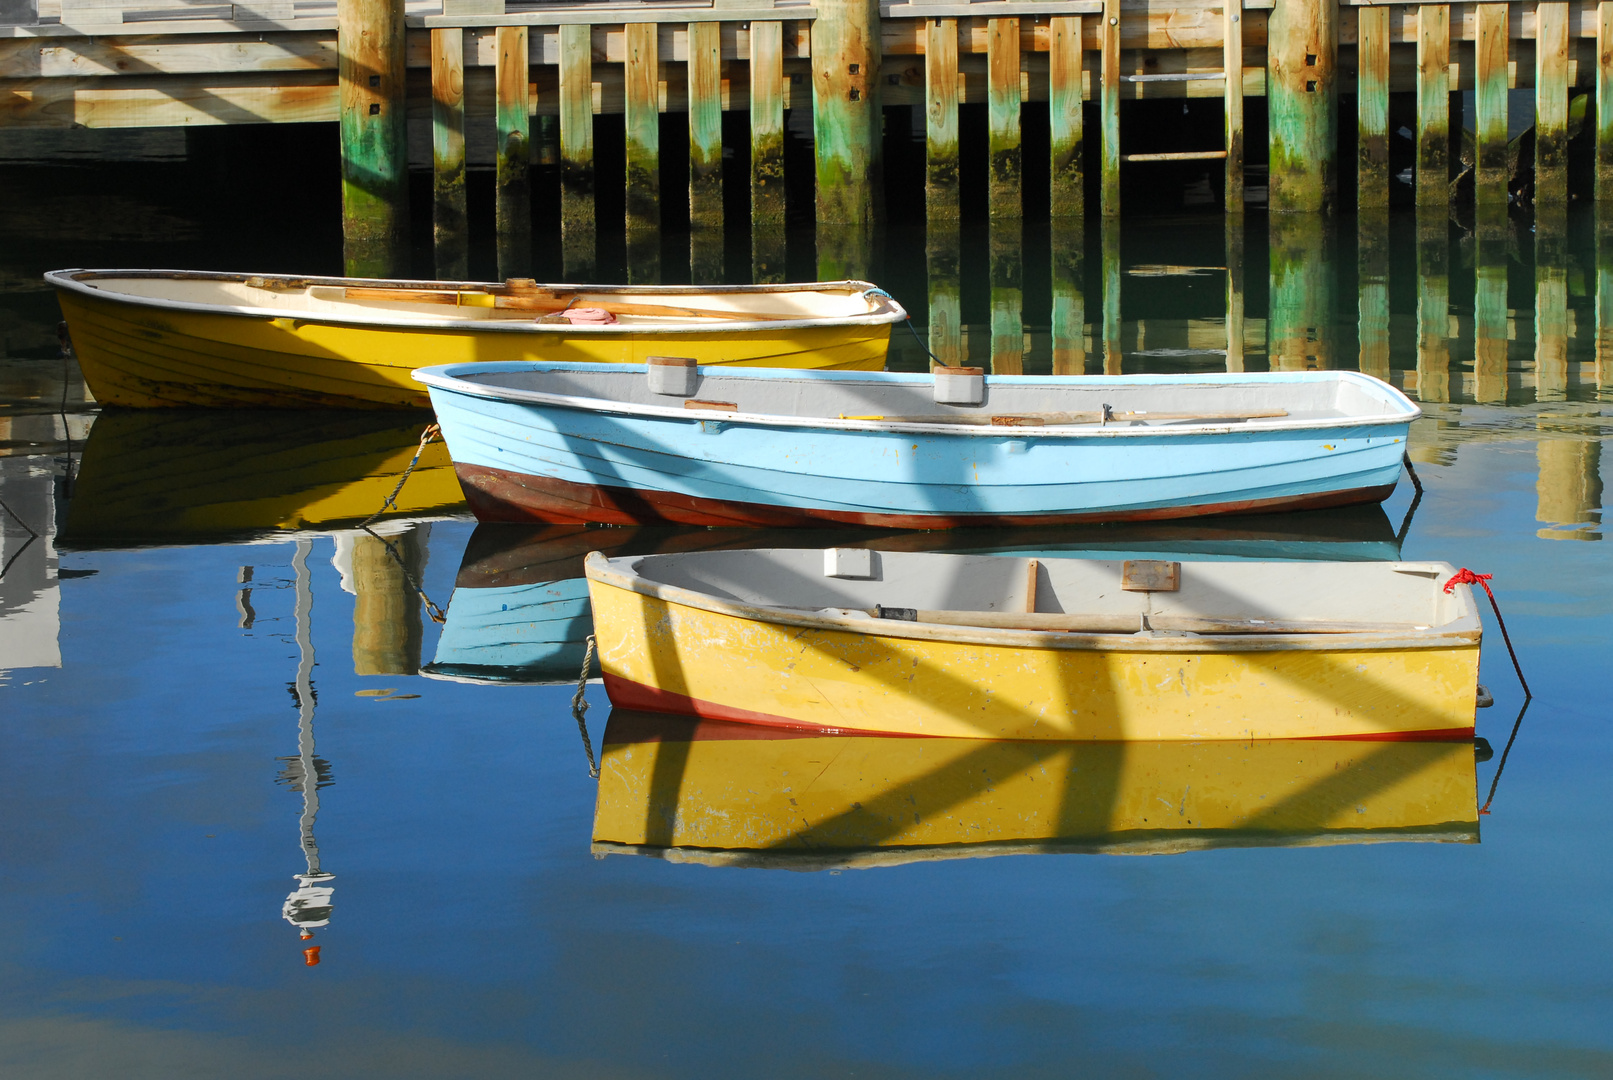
point(767, 254)
point(1604, 286)
point(845, 251)
point(1007, 298)
point(1372, 276)
point(1109, 233)
point(1234, 230)
point(308, 768)
point(1490, 304)
point(386, 614)
point(1299, 331)
point(643, 257)
point(1568, 488)
point(1069, 299)
point(706, 256)
point(1551, 303)
point(1433, 305)
point(941, 254)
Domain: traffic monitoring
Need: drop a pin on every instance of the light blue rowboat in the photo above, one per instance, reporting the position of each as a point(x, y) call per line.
point(623, 444)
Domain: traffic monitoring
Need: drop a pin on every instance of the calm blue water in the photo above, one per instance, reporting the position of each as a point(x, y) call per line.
point(152, 799)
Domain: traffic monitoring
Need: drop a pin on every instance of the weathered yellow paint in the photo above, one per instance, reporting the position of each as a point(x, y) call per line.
point(836, 797)
point(863, 682)
point(145, 358)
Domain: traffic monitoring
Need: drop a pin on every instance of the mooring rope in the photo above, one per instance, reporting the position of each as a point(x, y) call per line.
point(1464, 576)
point(579, 707)
point(922, 343)
point(438, 615)
point(426, 436)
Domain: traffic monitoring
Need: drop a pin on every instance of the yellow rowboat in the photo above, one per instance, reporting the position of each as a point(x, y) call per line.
point(880, 642)
point(736, 795)
point(156, 338)
point(182, 476)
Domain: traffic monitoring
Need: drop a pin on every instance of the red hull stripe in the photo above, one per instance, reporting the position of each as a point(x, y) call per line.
point(626, 694)
point(501, 495)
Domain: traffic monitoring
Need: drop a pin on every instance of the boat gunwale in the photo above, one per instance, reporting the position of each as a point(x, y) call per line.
point(76, 280)
point(436, 377)
point(1464, 631)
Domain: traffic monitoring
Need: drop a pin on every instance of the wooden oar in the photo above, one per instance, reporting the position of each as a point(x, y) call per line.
point(547, 303)
point(1059, 419)
point(1130, 624)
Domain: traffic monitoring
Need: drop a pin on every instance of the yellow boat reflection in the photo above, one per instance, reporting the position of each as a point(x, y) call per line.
point(731, 794)
point(177, 475)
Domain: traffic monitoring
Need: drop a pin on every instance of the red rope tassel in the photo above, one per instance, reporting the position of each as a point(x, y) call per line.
point(1464, 576)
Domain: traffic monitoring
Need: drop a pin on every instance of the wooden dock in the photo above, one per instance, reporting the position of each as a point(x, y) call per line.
point(542, 72)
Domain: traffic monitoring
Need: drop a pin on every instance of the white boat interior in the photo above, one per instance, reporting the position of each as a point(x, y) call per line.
point(382, 301)
point(1073, 595)
point(997, 402)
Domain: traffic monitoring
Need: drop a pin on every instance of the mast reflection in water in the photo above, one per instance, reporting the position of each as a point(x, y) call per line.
point(309, 905)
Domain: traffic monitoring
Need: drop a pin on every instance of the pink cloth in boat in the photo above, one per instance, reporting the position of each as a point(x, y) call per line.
point(588, 316)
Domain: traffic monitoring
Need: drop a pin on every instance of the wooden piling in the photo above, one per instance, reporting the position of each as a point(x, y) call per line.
point(942, 255)
point(1002, 109)
point(1372, 107)
point(1490, 304)
point(1433, 173)
point(1109, 111)
point(512, 122)
point(1069, 297)
point(941, 119)
point(1551, 102)
point(1064, 106)
point(1491, 173)
point(705, 125)
point(641, 117)
point(1551, 302)
point(450, 239)
point(1235, 319)
point(1433, 304)
point(845, 110)
point(1302, 104)
point(1109, 243)
point(374, 137)
point(767, 125)
point(1604, 100)
point(1299, 323)
point(1603, 224)
point(845, 252)
point(577, 149)
point(1372, 291)
point(1006, 248)
point(1232, 64)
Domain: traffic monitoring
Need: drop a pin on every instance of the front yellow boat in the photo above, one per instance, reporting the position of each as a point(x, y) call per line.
point(144, 352)
point(713, 792)
point(665, 656)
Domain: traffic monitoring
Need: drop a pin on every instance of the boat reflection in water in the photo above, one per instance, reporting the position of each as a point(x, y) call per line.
point(520, 612)
point(179, 476)
point(738, 795)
